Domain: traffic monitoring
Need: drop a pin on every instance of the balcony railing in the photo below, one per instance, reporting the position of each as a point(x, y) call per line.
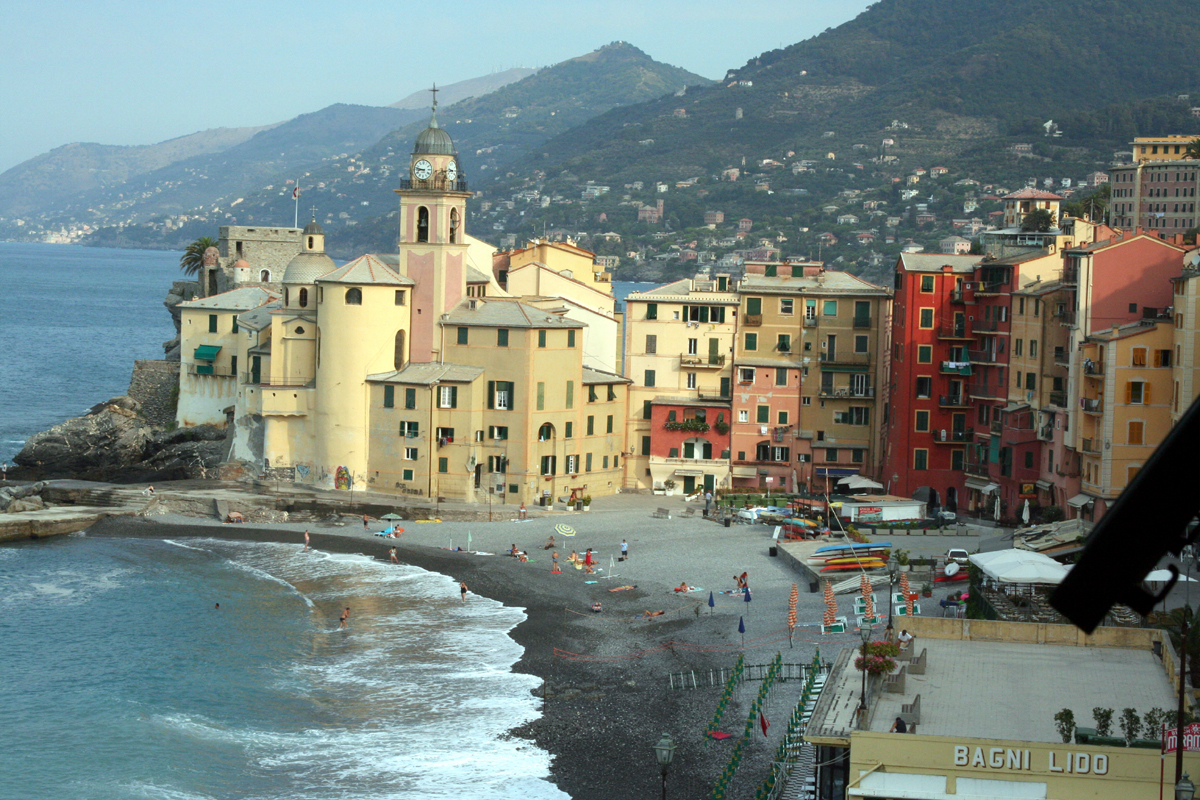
point(956, 368)
point(986, 325)
point(810, 322)
point(846, 358)
point(1019, 435)
point(976, 468)
point(993, 287)
point(1091, 446)
point(846, 392)
point(1093, 369)
point(1061, 357)
point(290, 381)
point(996, 426)
point(752, 320)
point(1058, 399)
point(435, 183)
point(958, 296)
point(1091, 406)
point(982, 357)
point(1070, 275)
point(691, 361)
point(951, 331)
point(986, 391)
point(953, 401)
point(209, 369)
point(862, 322)
point(954, 437)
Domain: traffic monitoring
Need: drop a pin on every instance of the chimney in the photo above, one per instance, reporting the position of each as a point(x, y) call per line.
point(1116, 331)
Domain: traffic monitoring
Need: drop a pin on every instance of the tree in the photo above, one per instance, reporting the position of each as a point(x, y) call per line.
point(193, 257)
point(1040, 220)
point(1193, 149)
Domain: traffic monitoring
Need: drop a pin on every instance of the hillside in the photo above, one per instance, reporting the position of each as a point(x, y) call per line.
point(472, 87)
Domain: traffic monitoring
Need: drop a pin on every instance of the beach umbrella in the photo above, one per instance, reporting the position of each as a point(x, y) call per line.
point(868, 603)
point(795, 595)
point(742, 630)
point(746, 596)
point(996, 513)
point(710, 603)
point(564, 530)
point(1025, 513)
point(830, 604)
point(391, 515)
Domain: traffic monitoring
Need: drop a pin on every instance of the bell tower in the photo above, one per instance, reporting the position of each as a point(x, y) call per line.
point(433, 250)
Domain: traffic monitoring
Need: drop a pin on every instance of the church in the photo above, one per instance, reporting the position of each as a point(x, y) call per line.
point(445, 370)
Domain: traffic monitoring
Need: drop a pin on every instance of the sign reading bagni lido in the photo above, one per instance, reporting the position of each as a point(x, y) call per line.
point(1018, 760)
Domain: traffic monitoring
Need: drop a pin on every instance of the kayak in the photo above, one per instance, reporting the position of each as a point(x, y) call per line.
point(855, 546)
point(866, 563)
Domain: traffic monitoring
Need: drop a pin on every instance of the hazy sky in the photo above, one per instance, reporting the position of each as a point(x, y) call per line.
point(138, 72)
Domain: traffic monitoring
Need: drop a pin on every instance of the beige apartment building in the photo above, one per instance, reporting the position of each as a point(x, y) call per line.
point(1187, 336)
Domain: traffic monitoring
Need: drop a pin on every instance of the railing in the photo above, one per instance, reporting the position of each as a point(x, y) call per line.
point(1093, 368)
point(1068, 318)
point(996, 426)
point(953, 332)
point(1070, 275)
point(953, 437)
point(976, 468)
point(1061, 357)
point(986, 325)
point(804, 434)
point(702, 362)
point(953, 401)
point(1046, 433)
point(701, 462)
point(862, 322)
point(1058, 399)
point(956, 368)
point(845, 358)
point(827, 392)
point(290, 381)
point(992, 287)
point(209, 369)
point(810, 322)
point(1020, 435)
point(982, 356)
point(1091, 406)
point(958, 296)
point(1091, 446)
point(984, 390)
point(752, 320)
point(436, 183)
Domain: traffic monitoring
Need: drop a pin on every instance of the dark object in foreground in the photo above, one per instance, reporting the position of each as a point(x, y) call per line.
point(1148, 520)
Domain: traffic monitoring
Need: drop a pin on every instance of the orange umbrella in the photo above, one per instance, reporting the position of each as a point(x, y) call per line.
point(907, 592)
point(792, 608)
point(904, 583)
point(830, 604)
point(908, 603)
point(869, 609)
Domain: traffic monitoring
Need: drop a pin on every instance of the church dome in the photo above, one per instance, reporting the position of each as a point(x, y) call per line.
point(307, 267)
point(313, 228)
point(434, 141)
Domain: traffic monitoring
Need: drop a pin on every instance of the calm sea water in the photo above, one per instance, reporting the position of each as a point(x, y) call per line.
point(123, 681)
point(72, 322)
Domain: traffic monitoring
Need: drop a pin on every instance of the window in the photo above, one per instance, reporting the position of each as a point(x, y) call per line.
point(407, 475)
point(354, 296)
point(784, 344)
point(746, 375)
point(861, 344)
point(1028, 459)
point(922, 421)
point(234, 329)
point(609, 429)
point(548, 465)
point(463, 334)
point(859, 415)
point(648, 380)
point(604, 462)
point(831, 455)
point(541, 338)
point(444, 435)
point(927, 284)
point(771, 271)
point(447, 397)
point(1021, 306)
point(763, 415)
point(782, 416)
point(568, 430)
point(1162, 358)
point(1018, 346)
point(410, 430)
point(957, 459)
point(546, 432)
point(924, 387)
point(645, 445)
point(651, 310)
point(806, 401)
point(1137, 393)
point(743, 415)
point(410, 454)
point(410, 398)
point(587, 463)
point(422, 224)
point(1033, 348)
point(646, 408)
point(751, 341)
point(399, 297)
point(781, 377)
point(754, 306)
point(500, 395)
point(920, 459)
point(926, 321)
point(570, 337)
point(389, 397)
point(612, 393)
point(651, 345)
point(1139, 357)
point(1136, 432)
point(1030, 381)
point(856, 455)
point(502, 337)
point(829, 309)
point(691, 380)
point(212, 323)
point(693, 347)
point(498, 432)
point(570, 394)
point(591, 426)
point(443, 465)
point(541, 396)
point(924, 354)
point(786, 306)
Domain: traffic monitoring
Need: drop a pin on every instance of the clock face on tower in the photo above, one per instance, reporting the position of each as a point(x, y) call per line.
point(422, 170)
point(451, 171)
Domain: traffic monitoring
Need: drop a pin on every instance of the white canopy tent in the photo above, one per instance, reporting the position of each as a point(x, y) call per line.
point(859, 482)
point(1019, 566)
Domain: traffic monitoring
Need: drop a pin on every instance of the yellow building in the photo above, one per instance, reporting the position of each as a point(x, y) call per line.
point(1187, 336)
point(1161, 148)
point(416, 373)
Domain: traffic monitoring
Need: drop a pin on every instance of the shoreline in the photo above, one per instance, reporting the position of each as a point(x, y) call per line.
point(599, 718)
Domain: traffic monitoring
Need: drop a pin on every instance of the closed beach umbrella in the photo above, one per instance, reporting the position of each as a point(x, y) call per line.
point(868, 603)
point(564, 530)
point(710, 602)
point(830, 605)
point(795, 595)
point(907, 592)
point(1025, 513)
point(742, 630)
point(996, 513)
point(746, 596)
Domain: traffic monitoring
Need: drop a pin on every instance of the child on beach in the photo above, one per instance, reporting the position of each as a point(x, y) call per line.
point(393, 555)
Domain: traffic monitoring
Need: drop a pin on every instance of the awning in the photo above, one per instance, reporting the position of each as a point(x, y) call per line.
point(744, 472)
point(1079, 501)
point(1045, 486)
point(1011, 407)
point(989, 488)
point(976, 483)
point(694, 473)
point(834, 472)
point(207, 352)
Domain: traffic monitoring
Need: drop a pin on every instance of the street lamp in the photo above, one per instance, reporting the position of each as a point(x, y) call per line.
point(892, 563)
point(1185, 789)
point(664, 751)
point(864, 631)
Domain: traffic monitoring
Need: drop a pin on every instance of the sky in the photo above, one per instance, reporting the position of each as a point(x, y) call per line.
point(131, 72)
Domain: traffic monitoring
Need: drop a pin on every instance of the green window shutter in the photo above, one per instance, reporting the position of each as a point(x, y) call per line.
point(671, 415)
point(569, 430)
point(235, 327)
point(591, 426)
point(410, 398)
point(610, 423)
point(754, 305)
point(443, 465)
point(649, 379)
point(764, 415)
point(771, 271)
point(570, 394)
point(541, 338)
point(751, 341)
point(570, 337)
point(830, 309)
point(463, 334)
point(645, 410)
point(673, 452)
point(689, 449)
point(212, 323)
point(389, 397)
point(491, 390)
point(703, 313)
point(707, 450)
point(781, 377)
point(651, 310)
point(587, 463)
point(511, 388)
point(541, 396)
point(725, 387)
point(645, 445)
point(502, 337)
point(454, 397)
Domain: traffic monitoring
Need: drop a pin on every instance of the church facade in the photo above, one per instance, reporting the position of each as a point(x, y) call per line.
point(414, 373)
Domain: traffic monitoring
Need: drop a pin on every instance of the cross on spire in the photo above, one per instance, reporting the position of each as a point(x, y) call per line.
point(434, 90)
point(314, 213)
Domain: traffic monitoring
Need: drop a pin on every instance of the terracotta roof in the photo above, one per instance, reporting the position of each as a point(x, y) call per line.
point(366, 270)
point(1029, 193)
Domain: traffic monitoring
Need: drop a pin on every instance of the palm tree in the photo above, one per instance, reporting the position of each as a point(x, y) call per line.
point(193, 256)
point(1193, 149)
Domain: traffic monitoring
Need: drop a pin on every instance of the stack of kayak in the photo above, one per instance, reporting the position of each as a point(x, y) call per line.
point(798, 527)
point(850, 557)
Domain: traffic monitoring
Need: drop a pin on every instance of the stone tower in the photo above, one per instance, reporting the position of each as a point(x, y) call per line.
point(433, 251)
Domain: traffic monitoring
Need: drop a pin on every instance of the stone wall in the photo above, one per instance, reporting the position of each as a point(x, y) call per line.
point(269, 248)
point(155, 385)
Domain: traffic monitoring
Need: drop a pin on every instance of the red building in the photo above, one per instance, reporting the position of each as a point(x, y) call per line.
point(692, 436)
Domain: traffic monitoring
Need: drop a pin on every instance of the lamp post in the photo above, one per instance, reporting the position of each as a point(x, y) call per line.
point(664, 751)
point(864, 631)
point(1185, 789)
point(892, 562)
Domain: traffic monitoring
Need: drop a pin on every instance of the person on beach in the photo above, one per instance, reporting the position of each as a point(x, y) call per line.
point(587, 558)
point(4, 471)
point(624, 550)
point(393, 555)
point(345, 618)
point(554, 556)
point(217, 607)
point(366, 519)
point(647, 614)
point(522, 513)
point(683, 587)
point(305, 550)
point(740, 584)
point(550, 545)
point(904, 638)
point(149, 490)
point(899, 726)
point(462, 588)
point(744, 582)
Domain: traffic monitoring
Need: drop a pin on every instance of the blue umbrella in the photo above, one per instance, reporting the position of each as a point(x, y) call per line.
point(710, 602)
point(742, 630)
point(746, 597)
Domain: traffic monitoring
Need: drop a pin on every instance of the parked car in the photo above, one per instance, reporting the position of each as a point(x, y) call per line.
point(958, 556)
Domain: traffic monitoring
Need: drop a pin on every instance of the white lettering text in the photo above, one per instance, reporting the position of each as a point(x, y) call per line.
point(960, 755)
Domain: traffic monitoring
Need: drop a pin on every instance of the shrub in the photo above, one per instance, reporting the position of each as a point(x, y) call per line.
point(1153, 720)
point(882, 648)
point(874, 665)
point(1103, 718)
point(1064, 721)
point(1131, 724)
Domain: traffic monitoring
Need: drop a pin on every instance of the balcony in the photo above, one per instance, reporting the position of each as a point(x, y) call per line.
point(810, 322)
point(1093, 369)
point(1091, 406)
point(984, 391)
point(1020, 434)
point(804, 434)
point(953, 401)
point(1061, 357)
point(986, 325)
point(848, 359)
point(1070, 275)
point(982, 357)
point(862, 322)
point(846, 393)
point(1067, 318)
point(752, 320)
point(952, 331)
point(954, 437)
point(990, 288)
point(956, 368)
point(996, 427)
point(209, 369)
point(1091, 446)
point(279, 381)
point(686, 462)
point(437, 183)
point(958, 296)
point(975, 468)
point(1058, 399)
point(695, 361)
point(1046, 433)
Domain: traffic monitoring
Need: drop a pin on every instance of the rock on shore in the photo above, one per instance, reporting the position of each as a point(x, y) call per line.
point(112, 442)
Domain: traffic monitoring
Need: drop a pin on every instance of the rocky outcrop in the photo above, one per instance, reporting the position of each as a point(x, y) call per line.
point(22, 498)
point(114, 442)
point(180, 291)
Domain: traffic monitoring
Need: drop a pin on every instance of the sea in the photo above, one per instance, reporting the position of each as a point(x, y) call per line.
point(125, 680)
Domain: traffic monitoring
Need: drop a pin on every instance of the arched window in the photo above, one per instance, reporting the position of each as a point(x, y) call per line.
point(399, 357)
point(265, 276)
point(546, 432)
point(304, 298)
point(697, 448)
point(454, 226)
point(285, 295)
point(310, 243)
point(354, 296)
point(422, 224)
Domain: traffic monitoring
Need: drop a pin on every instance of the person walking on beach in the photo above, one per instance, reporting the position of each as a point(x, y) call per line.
point(462, 589)
point(149, 490)
point(365, 521)
point(345, 619)
point(393, 555)
point(4, 472)
point(305, 550)
point(624, 550)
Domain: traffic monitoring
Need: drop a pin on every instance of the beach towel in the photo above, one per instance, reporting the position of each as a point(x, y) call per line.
point(622, 588)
